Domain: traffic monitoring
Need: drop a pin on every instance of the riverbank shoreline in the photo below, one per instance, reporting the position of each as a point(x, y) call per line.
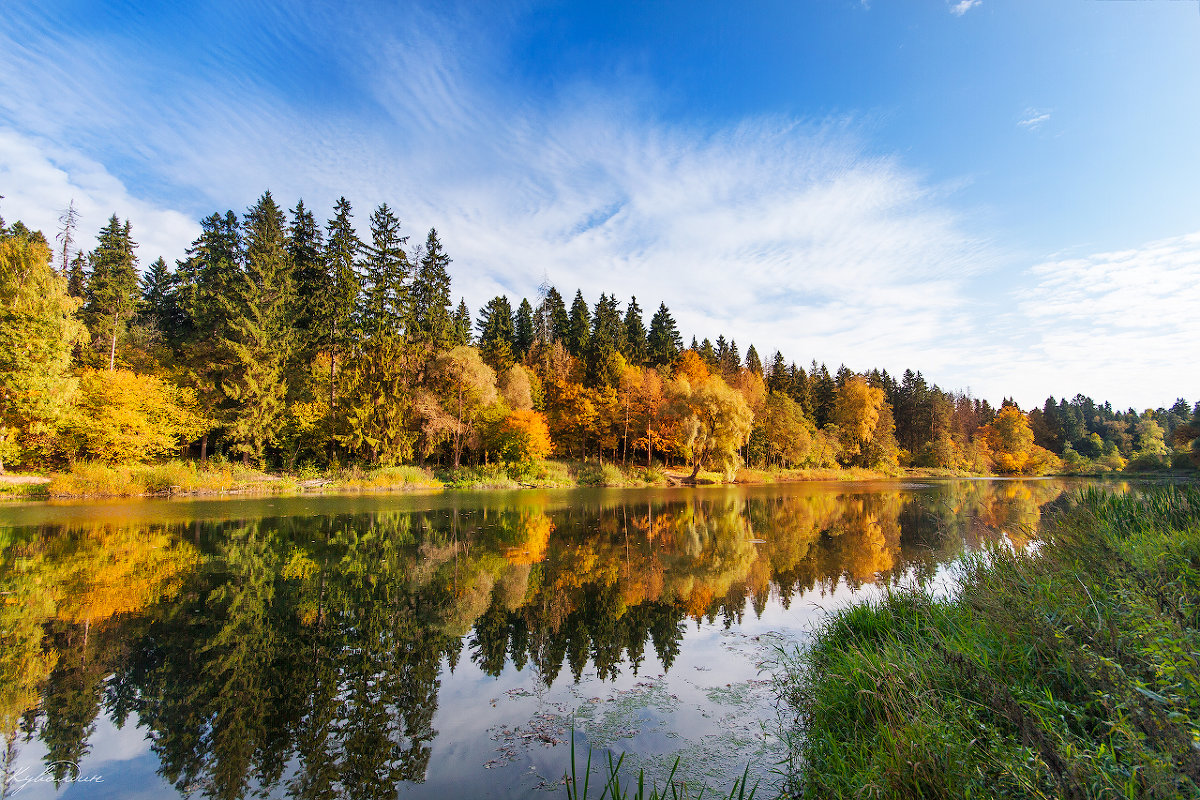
point(1067, 670)
point(221, 479)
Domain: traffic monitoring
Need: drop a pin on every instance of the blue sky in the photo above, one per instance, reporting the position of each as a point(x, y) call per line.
point(1001, 194)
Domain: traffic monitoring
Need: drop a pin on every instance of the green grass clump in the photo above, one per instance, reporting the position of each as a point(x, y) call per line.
point(385, 478)
point(611, 785)
point(591, 473)
point(482, 476)
point(1071, 671)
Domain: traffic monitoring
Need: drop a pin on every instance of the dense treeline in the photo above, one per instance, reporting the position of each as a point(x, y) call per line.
point(283, 342)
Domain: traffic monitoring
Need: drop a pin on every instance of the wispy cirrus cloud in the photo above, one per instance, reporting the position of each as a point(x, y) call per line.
point(780, 232)
point(963, 6)
point(1033, 119)
point(1118, 325)
point(775, 231)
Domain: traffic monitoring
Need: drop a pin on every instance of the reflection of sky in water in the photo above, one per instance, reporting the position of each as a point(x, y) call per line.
point(507, 735)
point(119, 765)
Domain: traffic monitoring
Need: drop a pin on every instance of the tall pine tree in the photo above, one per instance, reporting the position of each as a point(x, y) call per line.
point(579, 327)
point(113, 294)
point(385, 302)
point(523, 330)
point(664, 341)
point(495, 324)
point(431, 321)
point(633, 343)
point(259, 332)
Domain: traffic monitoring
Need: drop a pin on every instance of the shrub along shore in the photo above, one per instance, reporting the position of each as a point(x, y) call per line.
point(1071, 670)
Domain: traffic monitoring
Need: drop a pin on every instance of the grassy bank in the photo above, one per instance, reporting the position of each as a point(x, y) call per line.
point(1070, 672)
point(96, 480)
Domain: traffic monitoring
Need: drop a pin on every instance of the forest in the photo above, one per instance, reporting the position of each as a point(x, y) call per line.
point(286, 344)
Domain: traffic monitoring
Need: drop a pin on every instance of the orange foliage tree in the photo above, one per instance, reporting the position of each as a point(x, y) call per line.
point(524, 436)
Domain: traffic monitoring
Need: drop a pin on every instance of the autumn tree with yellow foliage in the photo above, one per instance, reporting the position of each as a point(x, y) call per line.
point(1009, 440)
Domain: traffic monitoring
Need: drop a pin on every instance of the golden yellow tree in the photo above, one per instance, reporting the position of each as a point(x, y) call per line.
point(1009, 440)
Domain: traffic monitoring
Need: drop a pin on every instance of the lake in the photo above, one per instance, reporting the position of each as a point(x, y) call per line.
point(441, 645)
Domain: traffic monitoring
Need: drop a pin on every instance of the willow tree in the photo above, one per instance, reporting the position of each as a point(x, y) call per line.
point(716, 423)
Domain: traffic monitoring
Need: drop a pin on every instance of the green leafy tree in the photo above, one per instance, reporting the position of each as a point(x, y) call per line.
point(464, 387)
point(38, 329)
point(379, 401)
point(716, 423)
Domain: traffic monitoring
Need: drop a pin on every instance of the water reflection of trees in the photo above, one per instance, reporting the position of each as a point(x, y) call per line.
point(305, 652)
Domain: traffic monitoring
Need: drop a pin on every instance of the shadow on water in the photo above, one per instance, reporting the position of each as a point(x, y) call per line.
point(297, 648)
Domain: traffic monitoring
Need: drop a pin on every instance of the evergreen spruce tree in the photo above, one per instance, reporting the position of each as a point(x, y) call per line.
point(156, 287)
point(462, 324)
point(579, 328)
point(604, 341)
point(634, 339)
point(204, 284)
point(209, 273)
point(306, 250)
point(385, 302)
point(77, 277)
point(523, 331)
point(431, 320)
point(551, 321)
point(732, 361)
point(664, 342)
point(777, 374)
point(824, 394)
point(342, 290)
point(707, 353)
point(753, 362)
point(112, 287)
point(495, 325)
point(259, 333)
point(800, 389)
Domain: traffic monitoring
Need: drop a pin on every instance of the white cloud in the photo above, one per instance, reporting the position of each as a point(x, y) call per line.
point(781, 233)
point(963, 6)
point(1119, 326)
point(39, 180)
point(776, 232)
point(1033, 119)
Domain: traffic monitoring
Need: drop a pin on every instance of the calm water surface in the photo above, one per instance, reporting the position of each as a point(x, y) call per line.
point(437, 645)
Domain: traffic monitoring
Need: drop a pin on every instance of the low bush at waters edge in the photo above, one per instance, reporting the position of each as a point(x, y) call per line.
point(1070, 672)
